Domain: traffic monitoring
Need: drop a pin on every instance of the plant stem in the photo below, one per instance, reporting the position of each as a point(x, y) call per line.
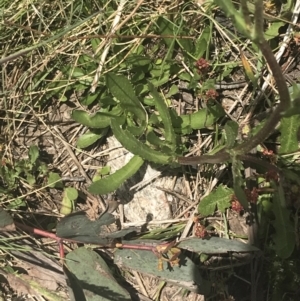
point(273, 120)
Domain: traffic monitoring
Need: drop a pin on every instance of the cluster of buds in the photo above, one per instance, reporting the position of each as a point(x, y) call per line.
point(199, 229)
point(272, 175)
point(211, 94)
point(236, 205)
point(252, 196)
point(202, 66)
point(270, 155)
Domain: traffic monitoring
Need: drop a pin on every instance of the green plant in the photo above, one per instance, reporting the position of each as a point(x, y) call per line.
point(137, 130)
point(31, 170)
point(131, 93)
point(155, 135)
point(34, 173)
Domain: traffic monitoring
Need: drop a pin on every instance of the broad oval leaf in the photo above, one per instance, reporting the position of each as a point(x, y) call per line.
point(69, 196)
point(54, 180)
point(71, 193)
point(215, 245)
point(186, 275)
point(91, 278)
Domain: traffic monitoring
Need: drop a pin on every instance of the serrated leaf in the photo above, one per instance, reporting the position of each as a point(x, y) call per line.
point(219, 198)
point(165, 116)
point(289, 138)
point(33, 153)
point(138, 148)
point(114, 181)
point(121, 88)
point(231, 131)
point(88, 268)
point(284, 236)
point(16, 204)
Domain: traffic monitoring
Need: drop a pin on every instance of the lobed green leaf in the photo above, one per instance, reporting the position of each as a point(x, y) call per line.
point(137, 147)
point(219, 198)
point(121, 88)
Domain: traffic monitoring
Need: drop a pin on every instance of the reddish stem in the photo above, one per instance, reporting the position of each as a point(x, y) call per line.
point(38, 231)
point(135, 247)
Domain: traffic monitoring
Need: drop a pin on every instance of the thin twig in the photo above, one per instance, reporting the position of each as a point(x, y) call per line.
point(107, 46)
point(109, 40)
